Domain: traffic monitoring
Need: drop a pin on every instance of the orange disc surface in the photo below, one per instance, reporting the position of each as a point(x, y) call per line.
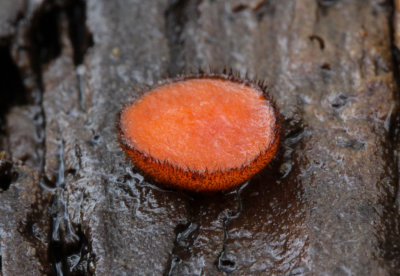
point(204, 134)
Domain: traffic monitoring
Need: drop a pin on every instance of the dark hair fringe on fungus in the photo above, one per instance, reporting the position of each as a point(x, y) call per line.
point(173, 176)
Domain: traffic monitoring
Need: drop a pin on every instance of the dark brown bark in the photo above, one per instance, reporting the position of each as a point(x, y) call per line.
point(328, 204)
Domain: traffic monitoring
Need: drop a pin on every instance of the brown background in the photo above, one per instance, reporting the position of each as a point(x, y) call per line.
point(70, 201)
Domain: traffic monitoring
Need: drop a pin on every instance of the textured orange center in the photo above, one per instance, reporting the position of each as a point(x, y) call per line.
point(200, 124)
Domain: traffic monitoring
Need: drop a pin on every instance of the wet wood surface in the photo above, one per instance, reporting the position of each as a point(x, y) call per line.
point(72, 203)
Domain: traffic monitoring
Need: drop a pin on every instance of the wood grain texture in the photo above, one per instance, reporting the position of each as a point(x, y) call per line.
point(325, 206)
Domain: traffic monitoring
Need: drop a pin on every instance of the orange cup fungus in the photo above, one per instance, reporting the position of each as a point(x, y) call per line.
point(201, 133)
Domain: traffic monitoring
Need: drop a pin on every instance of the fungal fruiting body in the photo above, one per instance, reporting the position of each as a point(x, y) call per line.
point(206, 134)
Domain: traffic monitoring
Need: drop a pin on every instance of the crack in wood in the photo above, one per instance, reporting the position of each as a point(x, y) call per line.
point(224, 263)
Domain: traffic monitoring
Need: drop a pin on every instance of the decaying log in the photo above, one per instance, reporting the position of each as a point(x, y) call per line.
point(328, 204)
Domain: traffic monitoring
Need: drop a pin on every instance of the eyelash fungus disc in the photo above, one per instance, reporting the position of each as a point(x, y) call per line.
point(202, 133)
